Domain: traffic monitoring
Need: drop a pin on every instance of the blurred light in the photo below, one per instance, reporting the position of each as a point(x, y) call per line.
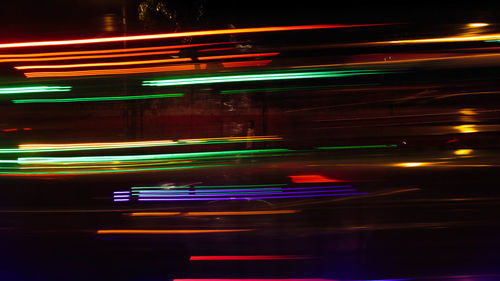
point(277, 194)
point(168, 231)
point(115, 71)
point(33, 89)
point(248, 258)
point(177, 35)
point(312, 179)
point(226, 279)
point(356, 146)
point(463, 151)
point(468, 111)
point(235, 213)
point(107, 56)
point(98, 64)
point(252, 197)
point(238, 56)
point(59, 100)
point(255, 77)
point(479, 24)
point(412, 164)
point(245, 63)
point(446, 39)
point(470, 128)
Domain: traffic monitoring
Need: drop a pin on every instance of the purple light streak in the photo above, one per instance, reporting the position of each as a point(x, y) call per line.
point(251, 198)
point(236, 190)
point(245, 194)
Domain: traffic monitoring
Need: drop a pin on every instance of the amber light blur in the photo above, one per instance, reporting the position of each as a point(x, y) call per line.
point(168, 231)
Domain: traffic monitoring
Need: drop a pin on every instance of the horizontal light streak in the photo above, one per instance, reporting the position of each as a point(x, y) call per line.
point(265, 279)
point(106, 51)
point(238, 56)
point(114, 71)
point(236, 194)
point(312, 179)
point(177, 35)
point(245, 63)
point(123, 145)
point(117, 98)
point(228, 213)
point(33, 89)
point(254, 77)
point(194, 190)
point(247, 258)
point(239, 185)
point(356, 146)
point(168, 231)
point(251, 197)
point(91, 159)
point(80, 57)
point(447, 39)
point(100, 64)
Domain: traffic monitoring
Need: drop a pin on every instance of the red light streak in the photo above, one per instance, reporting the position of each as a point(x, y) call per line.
point(238, 56)
point(176, 35)
point(246, 63)
point(312, 179)
point(247, 258)
point(10, 130)
point(168, 231)
point(114, 71)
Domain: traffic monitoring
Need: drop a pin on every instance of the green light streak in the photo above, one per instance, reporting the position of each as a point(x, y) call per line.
point(151, 157)
point(139, 97)
point(108, 171)
point(255, 77)
point(356, 146)
point(33, 89)
point(124, 146)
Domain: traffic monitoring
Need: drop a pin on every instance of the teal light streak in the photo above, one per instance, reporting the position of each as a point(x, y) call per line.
point(138, 97)
point(33, 89)
point(356, 146)
point(255, 77)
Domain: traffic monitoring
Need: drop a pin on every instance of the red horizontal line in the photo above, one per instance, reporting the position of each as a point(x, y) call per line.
point(258, 257)
point(246, 63)
point(176, 35)
point(238, 56)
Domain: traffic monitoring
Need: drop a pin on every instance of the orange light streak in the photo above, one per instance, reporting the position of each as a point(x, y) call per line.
point(246, 63)
point(154, 214)
point(113, 71)
point(107, 51)
point(168, 231)
point(312, 179)
point(77, 65)
point(91, 56)
point(177, 35)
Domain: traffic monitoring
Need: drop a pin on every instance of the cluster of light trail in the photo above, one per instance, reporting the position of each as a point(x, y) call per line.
point(214, 213)
point(241, 192)
point(93, 99)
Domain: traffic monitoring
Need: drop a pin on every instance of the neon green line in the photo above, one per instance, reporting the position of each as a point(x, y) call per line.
point(139, 97)
point(157, 157)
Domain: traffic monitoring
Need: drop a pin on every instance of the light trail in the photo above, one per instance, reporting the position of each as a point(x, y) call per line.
point(33, 89)
point(168, 231)
point(252, 197)
point(117, 98)
point(177, 35)
point(248, 258)
point(228, 213)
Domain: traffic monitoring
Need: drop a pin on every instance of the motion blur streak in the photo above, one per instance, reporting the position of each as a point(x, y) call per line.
point(117, 145)
point(238, 56)
point(90, 56)
point(287, 279)
point(235, 213)
point(312, 179)
point(447, 39)
point(106, 51)
point(257, 77)
point(245, 63)
point(78, 65)
point(33, 89)
point(252, 197)
point(177, 35)
point(114, 71)
point(169, 231)
point(356, 146)
point(139, 97)
point(247, 258)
